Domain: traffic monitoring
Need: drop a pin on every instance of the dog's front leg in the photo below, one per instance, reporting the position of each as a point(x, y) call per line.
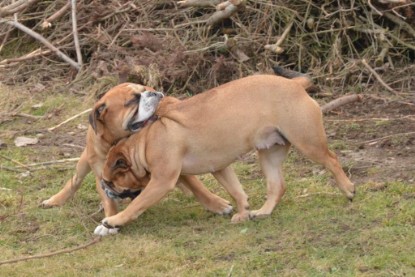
point(157, 188)
point(230, 181)
point(71, 186)
point(209, 200)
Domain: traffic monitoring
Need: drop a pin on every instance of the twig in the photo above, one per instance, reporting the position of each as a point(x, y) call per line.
point(317, 193)
point(3, 167)
point(226, 9)
point(373, 8)
point(198, 3)
point(42, 40)
point(50, 162)
point(75, 33)
point(276, 47)
point(11, 261)
point(402, 24)
point(407, 117)
point(48, 21)
point(378, 77)
point(374, 141)
point(14, 161)
point(340, 102)
point(69, 119)
point(16, 7)
point(26, 57)
point(6, 37)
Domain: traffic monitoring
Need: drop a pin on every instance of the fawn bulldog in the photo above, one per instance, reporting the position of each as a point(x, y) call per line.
point(124, 109)
point(209, 131)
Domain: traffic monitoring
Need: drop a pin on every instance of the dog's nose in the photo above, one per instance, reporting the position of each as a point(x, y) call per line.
point(157, 93)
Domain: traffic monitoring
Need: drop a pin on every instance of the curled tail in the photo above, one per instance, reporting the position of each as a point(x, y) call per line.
point(301, 78)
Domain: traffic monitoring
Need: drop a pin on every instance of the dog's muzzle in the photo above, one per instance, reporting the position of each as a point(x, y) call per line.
point(111, 193)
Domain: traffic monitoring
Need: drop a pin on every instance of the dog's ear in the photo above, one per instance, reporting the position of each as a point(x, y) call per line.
point(96, 115)
point(134, 100)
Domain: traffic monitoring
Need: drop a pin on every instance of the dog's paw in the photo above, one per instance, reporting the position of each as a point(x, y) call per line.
point(228, 210)
point(240, 217)
point(258, 214)
point(102, 230)
point(46, 204)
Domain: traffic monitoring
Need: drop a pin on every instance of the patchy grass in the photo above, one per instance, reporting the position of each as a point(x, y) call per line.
point(314, 231)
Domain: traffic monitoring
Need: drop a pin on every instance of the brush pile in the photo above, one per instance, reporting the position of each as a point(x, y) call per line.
point(191, 45)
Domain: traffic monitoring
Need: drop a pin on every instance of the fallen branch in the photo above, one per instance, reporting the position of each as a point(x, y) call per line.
point(340, 102)
point(75, 33)
point(198, 3)
point(49, 162)
point(42, 40)
point(69, 119)
point(11, 261)
point(378, 77)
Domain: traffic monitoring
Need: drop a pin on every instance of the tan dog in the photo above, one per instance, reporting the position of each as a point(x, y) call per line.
point(121, 111)
point(209, 131)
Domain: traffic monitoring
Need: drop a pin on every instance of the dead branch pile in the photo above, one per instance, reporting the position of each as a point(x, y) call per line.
point(192, 45)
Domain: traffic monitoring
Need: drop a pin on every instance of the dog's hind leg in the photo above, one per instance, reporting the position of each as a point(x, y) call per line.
point(229, 180)
point(312, 142)
point(271, 161)
point(71, 186)
point(324, 156)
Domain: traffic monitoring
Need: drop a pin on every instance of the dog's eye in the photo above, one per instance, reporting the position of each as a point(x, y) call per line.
point(120, 163)
point(134, 100)
point(99, 110)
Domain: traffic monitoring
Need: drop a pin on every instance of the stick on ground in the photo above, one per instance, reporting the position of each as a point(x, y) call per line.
point(340, 102)
point(11, 261)
point(69, 119)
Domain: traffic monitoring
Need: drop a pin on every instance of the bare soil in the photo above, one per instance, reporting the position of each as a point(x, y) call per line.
point(378, 137)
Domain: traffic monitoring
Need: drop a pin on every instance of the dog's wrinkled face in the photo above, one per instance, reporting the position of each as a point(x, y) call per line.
point(118, 113)
point(118, 175)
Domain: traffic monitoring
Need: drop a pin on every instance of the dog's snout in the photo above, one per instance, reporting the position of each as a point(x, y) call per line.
point(106, 184)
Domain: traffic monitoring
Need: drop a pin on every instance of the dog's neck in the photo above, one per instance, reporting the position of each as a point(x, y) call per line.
point(165, 105)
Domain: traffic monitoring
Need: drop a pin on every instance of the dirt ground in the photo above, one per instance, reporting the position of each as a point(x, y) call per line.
point(379, 139)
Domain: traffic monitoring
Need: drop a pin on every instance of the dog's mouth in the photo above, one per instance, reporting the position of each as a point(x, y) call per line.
point(134, 125)
point(108, 188)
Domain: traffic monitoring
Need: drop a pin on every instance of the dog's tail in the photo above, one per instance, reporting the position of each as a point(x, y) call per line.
point(301, 78)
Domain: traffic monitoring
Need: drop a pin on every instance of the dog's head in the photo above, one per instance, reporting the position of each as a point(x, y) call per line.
point(123, 109)
point(121, 176)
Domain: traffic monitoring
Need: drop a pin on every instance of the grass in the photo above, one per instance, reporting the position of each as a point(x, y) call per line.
point(314, 231)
